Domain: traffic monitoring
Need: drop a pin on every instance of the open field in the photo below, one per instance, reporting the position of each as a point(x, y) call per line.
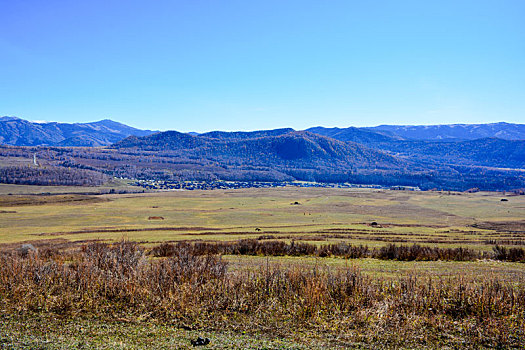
point(260, 300)
point(477, 220)
point(79, 333)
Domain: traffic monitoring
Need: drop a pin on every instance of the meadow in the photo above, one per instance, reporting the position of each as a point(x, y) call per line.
point(262, 268)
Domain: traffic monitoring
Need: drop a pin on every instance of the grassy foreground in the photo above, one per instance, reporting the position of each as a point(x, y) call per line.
point(40, 331)
point(317, 271)
point(107, 283)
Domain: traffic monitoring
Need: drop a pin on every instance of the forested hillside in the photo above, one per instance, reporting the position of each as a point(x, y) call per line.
point(354, 155)
point(489, 152)
point(311, 157)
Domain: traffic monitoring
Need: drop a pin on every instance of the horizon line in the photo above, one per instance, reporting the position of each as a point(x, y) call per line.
point(251, 130)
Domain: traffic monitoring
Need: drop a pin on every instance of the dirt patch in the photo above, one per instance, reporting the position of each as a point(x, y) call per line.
point(117, 230)
point(13, 201)
point(502, 226)
point(413, 225)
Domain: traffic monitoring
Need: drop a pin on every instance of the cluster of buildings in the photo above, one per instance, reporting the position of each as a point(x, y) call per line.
point(224, 185)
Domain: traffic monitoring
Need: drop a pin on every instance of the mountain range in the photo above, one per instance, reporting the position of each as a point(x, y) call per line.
point(440, 156)
point(285, 154)
point(454, 132)
point(488, 150)
point(20, 132)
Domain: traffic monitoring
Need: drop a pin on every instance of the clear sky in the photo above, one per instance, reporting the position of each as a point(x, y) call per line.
point(198, 65)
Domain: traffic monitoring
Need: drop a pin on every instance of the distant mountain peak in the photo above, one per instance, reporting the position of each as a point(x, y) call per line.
point(454, 132)
point(107, 122)
point(8, 118)
point(20, 132)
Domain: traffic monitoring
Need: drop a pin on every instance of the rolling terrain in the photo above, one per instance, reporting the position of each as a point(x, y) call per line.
point(282, 154)
point(481, 145)
point(488, 152)
point(454, 132)
point(327, 155)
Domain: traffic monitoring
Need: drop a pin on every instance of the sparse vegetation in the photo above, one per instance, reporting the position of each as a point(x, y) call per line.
point(118, 282)
point(344, 250)
point(509, 254)
point(346, 268)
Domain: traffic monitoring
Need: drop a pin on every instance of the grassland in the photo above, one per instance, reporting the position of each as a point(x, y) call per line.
point(64, 223)
point(477, 220)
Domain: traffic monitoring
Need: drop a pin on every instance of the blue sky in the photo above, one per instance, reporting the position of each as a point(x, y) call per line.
point(243, 65)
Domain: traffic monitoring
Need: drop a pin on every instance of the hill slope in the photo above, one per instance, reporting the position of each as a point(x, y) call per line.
point(246, 134)
point(291, 148)
point(489, 152)
point(359, 135)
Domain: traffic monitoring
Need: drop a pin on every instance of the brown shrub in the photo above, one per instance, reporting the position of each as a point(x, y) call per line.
point(417, 252)
point(344, 250)
point(509, 254)
point(191, 288)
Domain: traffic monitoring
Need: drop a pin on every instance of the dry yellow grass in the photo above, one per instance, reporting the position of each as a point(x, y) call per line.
point(323, 215)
